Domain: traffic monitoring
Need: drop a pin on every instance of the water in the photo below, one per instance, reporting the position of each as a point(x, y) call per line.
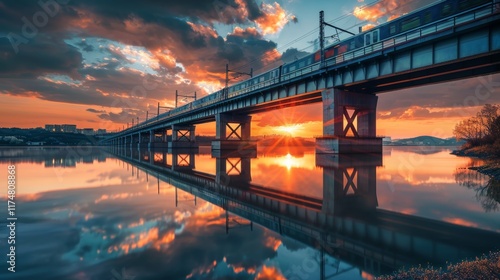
point(85, 213)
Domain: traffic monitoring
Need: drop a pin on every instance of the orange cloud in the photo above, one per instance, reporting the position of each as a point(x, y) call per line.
point(459, 221)
point(117, 196)
point(373, 13)
point(206, 215)
point(368, 27)
point(269, 273)
point(270, 56)
point(274, 18)
point(149, 238)
point(249, 31)
point(165, 58)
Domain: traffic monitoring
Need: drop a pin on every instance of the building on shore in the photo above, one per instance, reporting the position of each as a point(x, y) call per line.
point(69, 128)
point(88, 131)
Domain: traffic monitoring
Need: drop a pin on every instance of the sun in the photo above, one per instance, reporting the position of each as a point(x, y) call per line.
point(290, 129)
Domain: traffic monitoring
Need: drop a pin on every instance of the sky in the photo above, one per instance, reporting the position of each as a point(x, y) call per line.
point(102, 64)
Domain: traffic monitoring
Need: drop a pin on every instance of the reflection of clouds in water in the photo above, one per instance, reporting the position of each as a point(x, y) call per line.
point(125, 229)
point(105, 197)
point(270, 273)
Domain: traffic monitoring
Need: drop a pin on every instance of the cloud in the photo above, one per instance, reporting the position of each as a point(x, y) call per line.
point(386, 10)
point(95, 111)
point(274, 18)
point(41, 55)
point(108, 48)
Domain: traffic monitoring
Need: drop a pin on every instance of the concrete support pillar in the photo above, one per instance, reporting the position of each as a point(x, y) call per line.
point(233, 171)
point(183, 136)
point(164, 135)
point(349, 183)
point(183, 161)
point(232, 132)
point(349, 123)
point(151, 157)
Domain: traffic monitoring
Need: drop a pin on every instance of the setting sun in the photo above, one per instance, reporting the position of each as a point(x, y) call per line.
point(291, 129)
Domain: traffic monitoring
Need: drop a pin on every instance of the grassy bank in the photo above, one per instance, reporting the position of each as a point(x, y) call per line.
point(486, 267)
point(491, 155)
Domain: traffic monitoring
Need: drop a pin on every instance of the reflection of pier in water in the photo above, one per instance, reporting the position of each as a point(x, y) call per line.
point(345, 224)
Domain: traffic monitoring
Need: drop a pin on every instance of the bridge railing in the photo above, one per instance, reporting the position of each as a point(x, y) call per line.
point(425, 30)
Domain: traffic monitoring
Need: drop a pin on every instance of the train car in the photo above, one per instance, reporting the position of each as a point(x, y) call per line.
point(419, 18)
point(396, 27)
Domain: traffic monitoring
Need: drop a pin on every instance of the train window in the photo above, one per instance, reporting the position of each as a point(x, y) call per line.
point(375, 36)
point(368, 39)
point(410, 23)
point(329, 53)
point(446, 10)
point(352, 45)
point(426, 18)
point(392, 29)
point(342, 49)
point(465, 4)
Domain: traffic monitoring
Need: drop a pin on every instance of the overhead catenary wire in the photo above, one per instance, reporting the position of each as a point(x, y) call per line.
point(311, 32)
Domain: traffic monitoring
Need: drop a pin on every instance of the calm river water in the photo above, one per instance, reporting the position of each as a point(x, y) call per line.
point(282, 213)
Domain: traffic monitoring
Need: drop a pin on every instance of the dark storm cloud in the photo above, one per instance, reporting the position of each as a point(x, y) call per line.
point(153, 11)
point(42, 55)
point(174, 32)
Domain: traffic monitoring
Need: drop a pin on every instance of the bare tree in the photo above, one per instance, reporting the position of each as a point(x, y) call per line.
point(484, 128)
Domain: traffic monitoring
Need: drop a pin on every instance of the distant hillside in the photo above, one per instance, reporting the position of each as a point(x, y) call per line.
point(425, 141)
point(23, 137)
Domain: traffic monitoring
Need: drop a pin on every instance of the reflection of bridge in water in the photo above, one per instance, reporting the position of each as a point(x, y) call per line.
point(345, 223)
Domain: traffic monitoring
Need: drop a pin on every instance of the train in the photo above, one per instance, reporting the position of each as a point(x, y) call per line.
point(337, 52)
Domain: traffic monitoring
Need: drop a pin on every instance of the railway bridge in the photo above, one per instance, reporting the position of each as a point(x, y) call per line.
point(461, 46)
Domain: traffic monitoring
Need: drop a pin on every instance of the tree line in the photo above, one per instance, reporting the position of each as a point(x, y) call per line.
point(481, 129)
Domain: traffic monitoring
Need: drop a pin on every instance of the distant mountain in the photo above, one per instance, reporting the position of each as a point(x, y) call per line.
point(425, 141)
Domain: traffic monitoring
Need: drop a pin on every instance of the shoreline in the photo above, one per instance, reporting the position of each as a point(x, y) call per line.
point(484, 267)
point(491, 167)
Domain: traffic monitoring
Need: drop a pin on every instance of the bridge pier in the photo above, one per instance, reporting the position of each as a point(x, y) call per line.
point(234, 171)
point(158, 139)
point(232, 132)
point(349, 123)
point(349, 183)
point(183, 137)
point(183, 160)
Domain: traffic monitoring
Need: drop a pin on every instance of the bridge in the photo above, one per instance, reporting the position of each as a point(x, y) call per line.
point(461, 46)
point(344, 223)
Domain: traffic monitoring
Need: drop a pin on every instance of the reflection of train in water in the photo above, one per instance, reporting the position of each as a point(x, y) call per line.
point(437, 17)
